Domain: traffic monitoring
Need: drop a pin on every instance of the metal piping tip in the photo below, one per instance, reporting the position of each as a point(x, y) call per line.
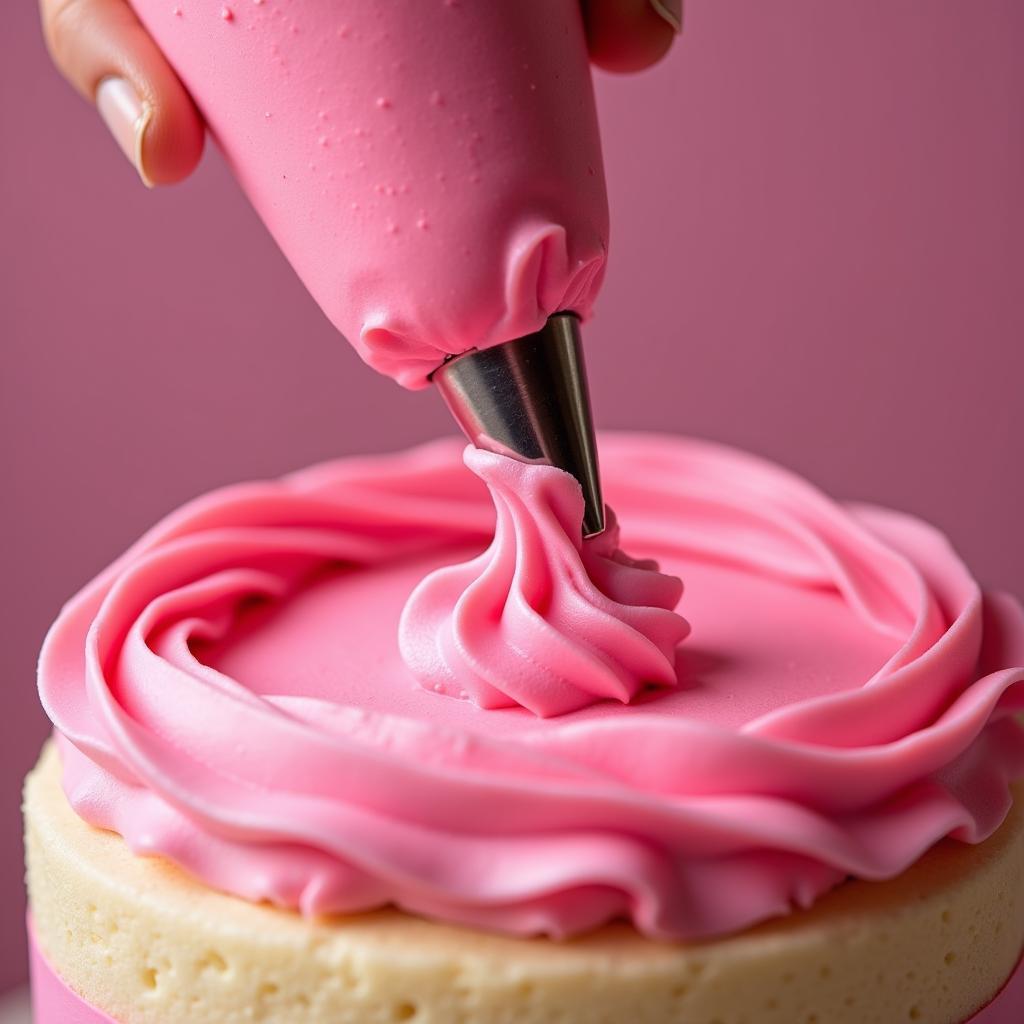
point(528, 398)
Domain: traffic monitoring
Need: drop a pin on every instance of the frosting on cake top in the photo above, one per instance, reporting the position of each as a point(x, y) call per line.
point(542, 619)
point(231, 694)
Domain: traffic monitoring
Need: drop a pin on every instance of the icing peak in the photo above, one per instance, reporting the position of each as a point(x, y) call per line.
point(543, 619)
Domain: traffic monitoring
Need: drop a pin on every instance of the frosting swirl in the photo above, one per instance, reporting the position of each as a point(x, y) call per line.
point(229, 694)
point(542, 619)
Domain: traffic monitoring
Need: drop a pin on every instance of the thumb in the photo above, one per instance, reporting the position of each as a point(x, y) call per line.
point(106, 54)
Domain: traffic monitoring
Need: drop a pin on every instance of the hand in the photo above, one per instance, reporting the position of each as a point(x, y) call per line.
point(106, 54)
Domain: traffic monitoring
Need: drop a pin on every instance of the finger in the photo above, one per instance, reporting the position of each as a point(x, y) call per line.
point(106, 54)
point(629, 35)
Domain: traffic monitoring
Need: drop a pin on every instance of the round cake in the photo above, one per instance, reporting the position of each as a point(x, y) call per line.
point(387, 740)
point(139, 938)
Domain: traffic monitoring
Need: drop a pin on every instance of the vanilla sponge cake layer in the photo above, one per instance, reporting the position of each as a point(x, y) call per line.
point(142, 941)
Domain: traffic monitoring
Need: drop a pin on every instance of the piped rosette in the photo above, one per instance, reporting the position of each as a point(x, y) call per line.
point(542, 619)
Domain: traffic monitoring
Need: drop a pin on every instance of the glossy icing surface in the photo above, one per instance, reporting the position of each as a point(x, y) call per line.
point(231, 695)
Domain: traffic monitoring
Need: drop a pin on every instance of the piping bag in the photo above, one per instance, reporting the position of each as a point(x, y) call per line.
point(432, 170)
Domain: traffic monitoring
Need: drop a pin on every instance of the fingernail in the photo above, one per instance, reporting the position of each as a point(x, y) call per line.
point(671, 11)
point(127, 117)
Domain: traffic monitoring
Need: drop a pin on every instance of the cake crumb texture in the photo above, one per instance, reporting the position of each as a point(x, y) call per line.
point(139, 939)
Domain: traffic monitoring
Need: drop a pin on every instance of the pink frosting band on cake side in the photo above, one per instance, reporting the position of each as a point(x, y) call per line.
point(229, 694)
point(542, 619)
point(54, 1003)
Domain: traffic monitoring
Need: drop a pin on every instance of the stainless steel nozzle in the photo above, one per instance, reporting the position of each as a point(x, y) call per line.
point(528, 398)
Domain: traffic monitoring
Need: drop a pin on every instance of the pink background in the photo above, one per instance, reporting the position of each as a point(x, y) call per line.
point(818, 253)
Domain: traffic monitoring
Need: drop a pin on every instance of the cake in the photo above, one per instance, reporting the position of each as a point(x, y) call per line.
point(332, 749)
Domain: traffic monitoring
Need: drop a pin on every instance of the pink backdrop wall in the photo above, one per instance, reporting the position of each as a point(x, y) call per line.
point(818, 253)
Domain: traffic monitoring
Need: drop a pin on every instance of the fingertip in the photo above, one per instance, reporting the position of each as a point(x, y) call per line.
point(104, 51)
point(628, 35)
point(171, 142)
point(162, 138)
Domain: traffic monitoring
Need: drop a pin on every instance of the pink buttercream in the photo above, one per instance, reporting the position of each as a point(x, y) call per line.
point(542, 619)
point(431, 170)
point(230, 694)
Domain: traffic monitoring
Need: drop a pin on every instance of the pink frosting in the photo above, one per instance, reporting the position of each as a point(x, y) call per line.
point(230, 694)
point(432, 170)
point(53, 1001)
point(542, 619)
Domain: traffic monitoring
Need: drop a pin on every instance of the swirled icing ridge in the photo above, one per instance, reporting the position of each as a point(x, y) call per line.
point(229, 694)
point(542, 619)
